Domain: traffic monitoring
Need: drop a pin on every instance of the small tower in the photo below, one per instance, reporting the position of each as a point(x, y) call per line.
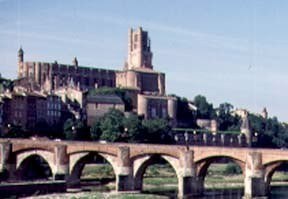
point(245, 129)
point(20, 55)
point(21, 71)
point(264, 113)
point(139, 50)
point(75, 62)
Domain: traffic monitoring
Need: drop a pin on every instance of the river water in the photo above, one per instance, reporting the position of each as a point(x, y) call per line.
point(277, 192)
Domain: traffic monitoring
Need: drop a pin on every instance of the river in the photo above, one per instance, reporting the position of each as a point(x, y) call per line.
point(277, 192)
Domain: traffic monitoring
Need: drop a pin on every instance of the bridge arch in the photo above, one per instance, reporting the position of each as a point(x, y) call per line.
point(141, 163)
point(270, 168)
point(34, 167)
point(48, 156)
point(203, 165)
point(78, 161)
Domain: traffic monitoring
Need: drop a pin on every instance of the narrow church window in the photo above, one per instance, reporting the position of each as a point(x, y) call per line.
point(135, 38)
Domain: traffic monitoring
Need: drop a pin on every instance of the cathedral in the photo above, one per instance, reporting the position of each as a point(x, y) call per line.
point(145, 86)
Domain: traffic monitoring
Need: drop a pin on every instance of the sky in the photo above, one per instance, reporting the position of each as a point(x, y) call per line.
point(229, 51)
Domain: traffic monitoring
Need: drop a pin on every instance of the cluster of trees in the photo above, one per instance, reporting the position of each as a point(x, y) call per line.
point(269, 132)
point(5, 84)
point(266, 132)
point(41, 129)
point(186, 116)
point(114, 126)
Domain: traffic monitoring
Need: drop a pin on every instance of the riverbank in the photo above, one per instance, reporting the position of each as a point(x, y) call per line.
point(97, 195)
point(160, 182)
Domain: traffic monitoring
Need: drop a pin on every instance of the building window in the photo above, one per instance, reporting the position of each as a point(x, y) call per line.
point(164, 112)
point(153, 112)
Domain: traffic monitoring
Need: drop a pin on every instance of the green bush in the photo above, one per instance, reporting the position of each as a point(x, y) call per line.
point(232, 169)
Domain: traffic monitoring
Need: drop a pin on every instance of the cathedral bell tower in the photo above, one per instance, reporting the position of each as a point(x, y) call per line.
point(20, 63)
point(139, 50)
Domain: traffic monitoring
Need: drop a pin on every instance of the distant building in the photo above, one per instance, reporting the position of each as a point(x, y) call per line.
point(210, 125)
point(264, 113)
point(54, 109)
point(156, 106)
point(26, 109)
point(242, 113)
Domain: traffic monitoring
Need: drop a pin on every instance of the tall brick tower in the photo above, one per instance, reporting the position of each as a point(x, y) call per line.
point(20, 63)
point(139, 52)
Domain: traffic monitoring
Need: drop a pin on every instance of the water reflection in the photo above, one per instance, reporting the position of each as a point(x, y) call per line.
point(222, 194)
point(277, 192)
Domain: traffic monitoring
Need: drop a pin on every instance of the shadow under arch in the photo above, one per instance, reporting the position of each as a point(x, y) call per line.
point(74, 179)
point(34, 167)
point(270, 170)
point(155, 159)
point(204, 164)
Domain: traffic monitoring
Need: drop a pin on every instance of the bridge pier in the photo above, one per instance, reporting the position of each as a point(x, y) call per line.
point(188, 185)
point(7, 162)
point(254, 183)
point(124, 170)
point(61, 163)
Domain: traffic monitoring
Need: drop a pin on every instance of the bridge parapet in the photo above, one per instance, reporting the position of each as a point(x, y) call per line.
point(211, 139)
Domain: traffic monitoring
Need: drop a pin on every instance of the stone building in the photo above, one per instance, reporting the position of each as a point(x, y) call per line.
point(98, 105)
point(149, 96)
point(51, 76)
point(144, 85)
point(54, 109)
point(26, 109)
point(138, 73)
point(210, 125)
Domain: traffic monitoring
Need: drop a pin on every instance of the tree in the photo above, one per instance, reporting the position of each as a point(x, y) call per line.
point(112, 126)
point(185, 116)
point(16, 131)
point(226, 121)
point(69, 130)
point(204, 109)
point(95, 130)
point(76, 130)
point(133, 129)
point(157, 131)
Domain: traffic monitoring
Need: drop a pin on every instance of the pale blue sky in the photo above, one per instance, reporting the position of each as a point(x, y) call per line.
point(229, 51)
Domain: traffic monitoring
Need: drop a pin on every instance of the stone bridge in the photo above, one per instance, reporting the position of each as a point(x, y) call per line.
point(129, 162)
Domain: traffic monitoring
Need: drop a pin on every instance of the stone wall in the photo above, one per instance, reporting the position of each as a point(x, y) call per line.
point(212, 139)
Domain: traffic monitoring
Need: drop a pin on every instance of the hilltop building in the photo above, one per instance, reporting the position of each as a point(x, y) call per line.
point(144, 85)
